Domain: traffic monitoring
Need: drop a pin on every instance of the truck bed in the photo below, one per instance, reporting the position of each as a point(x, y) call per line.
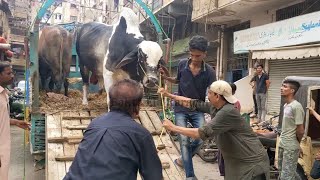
point(64, 131)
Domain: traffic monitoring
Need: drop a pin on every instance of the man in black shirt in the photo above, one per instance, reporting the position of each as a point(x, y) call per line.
point(194, 76)
point(114, 146)
point(261, 84)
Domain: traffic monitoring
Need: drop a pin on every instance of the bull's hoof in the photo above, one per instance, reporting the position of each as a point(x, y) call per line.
point(85, 103)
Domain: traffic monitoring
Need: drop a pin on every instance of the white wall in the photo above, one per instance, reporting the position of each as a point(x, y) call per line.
point(244, 94)
point(266, 17)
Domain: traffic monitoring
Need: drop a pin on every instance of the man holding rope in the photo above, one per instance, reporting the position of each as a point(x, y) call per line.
point(194, 77)
point(244, 156)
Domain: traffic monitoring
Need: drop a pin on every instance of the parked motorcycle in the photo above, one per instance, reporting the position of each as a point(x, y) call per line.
point(208, 151)
point(16, 102)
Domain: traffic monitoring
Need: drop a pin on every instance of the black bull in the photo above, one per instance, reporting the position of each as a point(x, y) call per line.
point(102, 49)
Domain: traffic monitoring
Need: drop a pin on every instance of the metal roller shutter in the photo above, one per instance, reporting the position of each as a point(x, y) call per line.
point(279, 69)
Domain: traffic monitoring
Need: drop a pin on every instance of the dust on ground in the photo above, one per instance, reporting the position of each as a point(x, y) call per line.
point(50, 101)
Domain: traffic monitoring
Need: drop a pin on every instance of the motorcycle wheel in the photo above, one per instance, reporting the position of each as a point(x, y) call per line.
point(210, 156)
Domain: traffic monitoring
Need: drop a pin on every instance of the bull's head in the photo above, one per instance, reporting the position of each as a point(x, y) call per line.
point(127, 48)
point(148, 55)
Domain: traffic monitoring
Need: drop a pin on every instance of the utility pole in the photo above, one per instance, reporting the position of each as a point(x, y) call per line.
point(104, 11)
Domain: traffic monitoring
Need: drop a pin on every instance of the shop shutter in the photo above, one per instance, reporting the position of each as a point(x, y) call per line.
point(279, 69)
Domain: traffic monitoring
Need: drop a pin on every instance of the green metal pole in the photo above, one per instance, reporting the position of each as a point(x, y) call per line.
point(34, 70)
point(153, 19)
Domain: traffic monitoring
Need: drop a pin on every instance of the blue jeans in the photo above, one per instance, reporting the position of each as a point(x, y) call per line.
point(189, 147)
point(315, 171)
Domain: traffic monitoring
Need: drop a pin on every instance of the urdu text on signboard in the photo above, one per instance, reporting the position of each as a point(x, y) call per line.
point(298, 30)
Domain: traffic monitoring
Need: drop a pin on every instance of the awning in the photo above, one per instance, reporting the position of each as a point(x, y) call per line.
point(293, 52)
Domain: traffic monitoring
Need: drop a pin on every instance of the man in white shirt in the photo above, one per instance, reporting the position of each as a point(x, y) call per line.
point(6, 78)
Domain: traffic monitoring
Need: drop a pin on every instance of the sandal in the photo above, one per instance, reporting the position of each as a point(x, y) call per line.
point(176, 162)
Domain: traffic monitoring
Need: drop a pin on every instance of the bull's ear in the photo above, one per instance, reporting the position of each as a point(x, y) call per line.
point(123, 23)
point(128, 58)
point(162, 62)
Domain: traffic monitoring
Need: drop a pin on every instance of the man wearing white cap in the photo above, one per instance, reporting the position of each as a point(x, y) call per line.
point(244, 156)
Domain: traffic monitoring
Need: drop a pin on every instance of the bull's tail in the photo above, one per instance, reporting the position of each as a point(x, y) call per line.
point(77, 39)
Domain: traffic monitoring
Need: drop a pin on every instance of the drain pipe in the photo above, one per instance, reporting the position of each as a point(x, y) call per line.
point(218, 55)
point(221, 53)
point(169, 48)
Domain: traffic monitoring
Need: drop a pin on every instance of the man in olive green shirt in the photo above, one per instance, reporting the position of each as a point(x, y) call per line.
point(244, 156)
point(291, 132)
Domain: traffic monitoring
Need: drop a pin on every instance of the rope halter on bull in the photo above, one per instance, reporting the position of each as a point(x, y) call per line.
point(162, 101)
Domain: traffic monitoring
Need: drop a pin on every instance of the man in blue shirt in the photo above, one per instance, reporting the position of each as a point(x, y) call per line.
point(114, 146)
point(193, 78)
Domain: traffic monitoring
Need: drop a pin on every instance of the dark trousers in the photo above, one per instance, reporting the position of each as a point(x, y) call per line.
point(255, 104)
point(315, 171)
point(259, 177)
point(221, 163)
point(222, 170)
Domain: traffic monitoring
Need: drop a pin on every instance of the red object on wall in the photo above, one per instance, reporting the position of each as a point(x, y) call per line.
point(7, 52)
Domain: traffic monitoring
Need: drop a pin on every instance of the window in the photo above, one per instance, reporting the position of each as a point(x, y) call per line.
point(305, 7)
point(116, 5)
point(73, 67)
point(58, 16)
point(73, 6)
point(239, 27)
point(73, 18)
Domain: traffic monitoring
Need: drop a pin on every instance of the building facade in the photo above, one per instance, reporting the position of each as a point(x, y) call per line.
point(17, 24)
point(5, 13)
point(251, 18)
point(71, 11)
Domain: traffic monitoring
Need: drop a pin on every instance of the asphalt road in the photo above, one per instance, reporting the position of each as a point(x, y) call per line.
point(21, 156)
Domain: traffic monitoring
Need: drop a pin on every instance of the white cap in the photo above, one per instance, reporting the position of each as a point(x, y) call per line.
point(223, 88)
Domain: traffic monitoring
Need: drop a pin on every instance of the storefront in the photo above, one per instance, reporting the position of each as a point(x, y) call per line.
point(283, 62)
point(281, 47)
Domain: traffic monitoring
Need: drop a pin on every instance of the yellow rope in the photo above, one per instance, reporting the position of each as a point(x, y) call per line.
point(163, 111)
point(163, 129)
point(164, 115)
